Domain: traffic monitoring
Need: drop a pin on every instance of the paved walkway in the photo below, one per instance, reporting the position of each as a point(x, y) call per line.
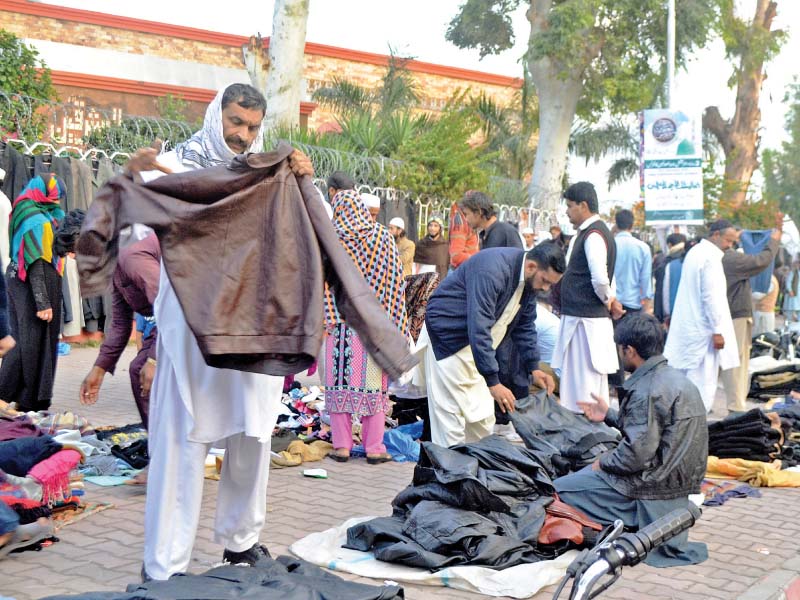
point(753, 543)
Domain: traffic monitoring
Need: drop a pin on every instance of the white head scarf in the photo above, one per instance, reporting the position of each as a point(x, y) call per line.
point(207, 147)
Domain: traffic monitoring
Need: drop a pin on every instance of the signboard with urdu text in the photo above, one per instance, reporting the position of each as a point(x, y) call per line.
point(672, 168)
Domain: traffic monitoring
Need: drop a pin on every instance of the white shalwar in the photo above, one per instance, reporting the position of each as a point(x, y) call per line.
point(701, 310)
point(193, 406)
point(459, 401)
point(585, 351)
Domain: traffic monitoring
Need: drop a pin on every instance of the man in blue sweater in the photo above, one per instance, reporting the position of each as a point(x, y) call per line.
point(489, 297)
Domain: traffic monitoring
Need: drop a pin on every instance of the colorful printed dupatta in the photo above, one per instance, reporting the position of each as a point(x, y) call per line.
point(35, 216)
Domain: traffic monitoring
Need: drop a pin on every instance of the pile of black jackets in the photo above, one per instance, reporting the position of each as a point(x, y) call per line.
point(568, 440)
point(752, 436)
point(282, 579)
point(473, 504)
point(774, 383)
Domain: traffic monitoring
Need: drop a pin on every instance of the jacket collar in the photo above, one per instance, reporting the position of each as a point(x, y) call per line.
point(262, 160)
point(650, 364)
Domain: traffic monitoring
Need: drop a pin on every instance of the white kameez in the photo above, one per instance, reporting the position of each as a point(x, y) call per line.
point(192, 406)
point(585, 350)
point(459, 401)
point(701, 310)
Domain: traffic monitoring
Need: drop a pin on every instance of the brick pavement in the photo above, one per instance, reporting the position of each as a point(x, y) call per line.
point(751, 541)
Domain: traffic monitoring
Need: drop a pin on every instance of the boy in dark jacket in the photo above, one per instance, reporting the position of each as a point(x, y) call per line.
point(662, 456)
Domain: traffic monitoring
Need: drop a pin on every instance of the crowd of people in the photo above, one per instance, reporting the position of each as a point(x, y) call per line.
point(496, 313)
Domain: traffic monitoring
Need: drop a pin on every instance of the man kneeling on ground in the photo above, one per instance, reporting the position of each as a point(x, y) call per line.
point(662, 456)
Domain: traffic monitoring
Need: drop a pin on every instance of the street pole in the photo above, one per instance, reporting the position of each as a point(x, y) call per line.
point(670, 52)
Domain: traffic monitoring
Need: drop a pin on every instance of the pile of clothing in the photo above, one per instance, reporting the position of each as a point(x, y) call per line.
point(567, 441)
point(37, 471)
point(303, 412)
point(754, 435)
point(775, 382)
point(488, 503)
point(282, 579)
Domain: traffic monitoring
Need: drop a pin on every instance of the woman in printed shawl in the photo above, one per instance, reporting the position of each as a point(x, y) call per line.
point(354, 384)
point(33, 278)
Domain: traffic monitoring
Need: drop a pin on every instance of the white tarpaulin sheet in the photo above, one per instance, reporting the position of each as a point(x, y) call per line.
point(522, 581)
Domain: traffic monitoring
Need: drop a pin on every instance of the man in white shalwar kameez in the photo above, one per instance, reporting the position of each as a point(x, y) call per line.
point(193, 405)
point(585, 350)
point(701, 338)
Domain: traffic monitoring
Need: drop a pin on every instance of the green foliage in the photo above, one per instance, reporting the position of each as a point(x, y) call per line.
point(485, 25)
point(439, 161)
point(781, 168)
point(615, 47)
point(23, 73)
point(376, 121)
point(746, 46)
point(509, 132)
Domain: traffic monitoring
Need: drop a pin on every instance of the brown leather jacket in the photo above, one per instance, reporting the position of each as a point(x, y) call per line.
point(248, 248)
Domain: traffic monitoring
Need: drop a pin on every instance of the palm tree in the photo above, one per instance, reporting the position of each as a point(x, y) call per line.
point(616, 138)
point(376, 121)
point(509, 132)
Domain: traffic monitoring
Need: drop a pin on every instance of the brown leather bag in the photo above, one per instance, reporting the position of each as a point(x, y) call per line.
point(563, 522)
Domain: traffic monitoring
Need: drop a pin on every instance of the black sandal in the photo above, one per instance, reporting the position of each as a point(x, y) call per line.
point(379, 459)
point(341, 458)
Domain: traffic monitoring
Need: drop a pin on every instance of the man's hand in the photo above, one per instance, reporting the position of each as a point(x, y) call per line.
point(615, 308)
point(503, 396)
point(90, 388)
point(45, 315)
point(596, 465)
point(647, 306)
point(6, 345)
point(719, 341)
point(300, 164)
point(595, 411)
point(146, 377)
point(144, 159)
point(543, 380)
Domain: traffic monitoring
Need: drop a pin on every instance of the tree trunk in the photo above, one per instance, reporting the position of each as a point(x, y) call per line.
point(256, 61)
point(739, 136)
point(559, 91)
point(286, 50)
point(558, 100)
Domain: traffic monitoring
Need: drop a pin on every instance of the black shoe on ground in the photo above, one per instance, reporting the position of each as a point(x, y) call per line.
point(250, 557)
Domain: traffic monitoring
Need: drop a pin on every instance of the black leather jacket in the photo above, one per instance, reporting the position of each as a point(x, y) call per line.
point(665, 436)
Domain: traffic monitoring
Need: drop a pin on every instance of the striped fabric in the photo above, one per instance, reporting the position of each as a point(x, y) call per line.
point(35, 216)
point(374, 252)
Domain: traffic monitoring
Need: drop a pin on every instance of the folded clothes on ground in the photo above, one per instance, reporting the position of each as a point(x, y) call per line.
point(756, 473)
point(754, 435)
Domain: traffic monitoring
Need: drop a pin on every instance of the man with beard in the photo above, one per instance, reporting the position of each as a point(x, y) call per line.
point(193, 405)
point(432, 252)
point(490, 297)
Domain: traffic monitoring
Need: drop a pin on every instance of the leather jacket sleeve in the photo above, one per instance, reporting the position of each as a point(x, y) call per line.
point(641, 430)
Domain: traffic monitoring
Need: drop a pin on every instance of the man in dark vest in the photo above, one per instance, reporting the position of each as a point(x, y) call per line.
point(585, 350)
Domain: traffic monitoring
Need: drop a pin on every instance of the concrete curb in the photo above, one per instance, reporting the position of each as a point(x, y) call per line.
point(783, 584)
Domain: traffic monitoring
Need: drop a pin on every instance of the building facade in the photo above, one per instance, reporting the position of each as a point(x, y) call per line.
point(119, 65)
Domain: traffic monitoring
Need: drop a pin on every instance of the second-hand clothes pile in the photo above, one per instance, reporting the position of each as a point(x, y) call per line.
point(754, 435)
point(569, 440)
point(489, 503)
